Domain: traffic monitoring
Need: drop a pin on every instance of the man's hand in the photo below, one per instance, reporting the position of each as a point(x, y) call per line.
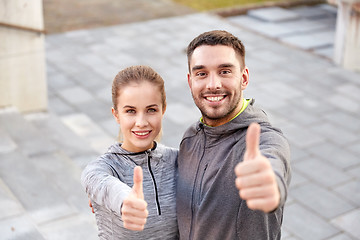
point(255, 178)
point(134, 208)
point(91, 206)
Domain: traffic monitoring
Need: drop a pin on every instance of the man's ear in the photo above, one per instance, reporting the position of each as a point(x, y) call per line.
point(189, 80)
point(245, 78)
point(115, 114)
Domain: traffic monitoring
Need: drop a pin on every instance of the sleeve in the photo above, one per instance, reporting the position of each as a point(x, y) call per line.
point(275, 147)
point(103, 187)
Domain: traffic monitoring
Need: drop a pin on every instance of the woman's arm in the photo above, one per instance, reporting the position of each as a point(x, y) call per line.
point(103, 187)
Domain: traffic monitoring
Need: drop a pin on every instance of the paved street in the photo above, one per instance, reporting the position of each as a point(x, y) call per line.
point(69, 15)
point(315, 102)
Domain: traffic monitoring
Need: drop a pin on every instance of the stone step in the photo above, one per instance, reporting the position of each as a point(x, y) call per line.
point(72, 144)
point(38, 194)
point(273, 14)
point(40, 180)
point(21, 135)
point(82, 125)
point(9, 204)
point(20, 227)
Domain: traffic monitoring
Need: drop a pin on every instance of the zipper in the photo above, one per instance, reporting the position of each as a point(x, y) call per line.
point(194, 200)
point(155, 186)
point(200, 185)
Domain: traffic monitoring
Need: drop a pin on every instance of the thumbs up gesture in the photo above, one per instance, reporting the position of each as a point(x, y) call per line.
point(134, 208)
point(255, 178)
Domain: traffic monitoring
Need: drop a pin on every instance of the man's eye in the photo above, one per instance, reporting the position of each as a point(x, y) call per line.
point(200, 74)
point(225, 71)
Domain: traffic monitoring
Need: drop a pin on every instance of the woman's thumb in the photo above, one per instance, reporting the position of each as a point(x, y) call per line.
point(138, 182)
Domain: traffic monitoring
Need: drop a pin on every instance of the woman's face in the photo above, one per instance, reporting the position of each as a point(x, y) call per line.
point(139, 113)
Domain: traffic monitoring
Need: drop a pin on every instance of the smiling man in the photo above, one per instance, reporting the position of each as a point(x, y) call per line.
point(233, 165)
point(216, 80)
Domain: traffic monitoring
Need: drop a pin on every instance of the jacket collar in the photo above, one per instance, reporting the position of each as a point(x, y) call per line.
point(241, 122)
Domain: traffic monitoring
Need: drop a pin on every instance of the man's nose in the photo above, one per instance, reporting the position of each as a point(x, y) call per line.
point(214, 82)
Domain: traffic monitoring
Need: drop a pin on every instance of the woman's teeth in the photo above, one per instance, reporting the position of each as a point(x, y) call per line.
point(142, 133)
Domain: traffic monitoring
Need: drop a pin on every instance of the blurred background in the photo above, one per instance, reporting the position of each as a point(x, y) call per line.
point(57, 62)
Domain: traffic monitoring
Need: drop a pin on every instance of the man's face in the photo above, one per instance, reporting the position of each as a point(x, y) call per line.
point(216, 82)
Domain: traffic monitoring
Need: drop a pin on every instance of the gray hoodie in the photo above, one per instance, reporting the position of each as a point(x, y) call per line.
point(109, 179)
point(208, 202)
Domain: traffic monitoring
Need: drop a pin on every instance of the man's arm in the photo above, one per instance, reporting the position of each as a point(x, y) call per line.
point(255, 177)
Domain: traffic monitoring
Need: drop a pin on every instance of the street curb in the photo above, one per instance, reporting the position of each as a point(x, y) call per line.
point(241, 10)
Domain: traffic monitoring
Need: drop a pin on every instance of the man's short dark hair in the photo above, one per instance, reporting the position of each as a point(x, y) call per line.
point(217, 37)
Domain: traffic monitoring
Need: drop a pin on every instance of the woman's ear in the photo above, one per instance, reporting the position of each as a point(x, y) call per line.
point(164, 110)
point(115, 114)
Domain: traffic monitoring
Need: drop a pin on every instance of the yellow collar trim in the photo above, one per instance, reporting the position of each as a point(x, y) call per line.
point(245, 104)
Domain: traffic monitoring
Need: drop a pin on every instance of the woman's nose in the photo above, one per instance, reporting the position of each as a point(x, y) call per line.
point(141, 120)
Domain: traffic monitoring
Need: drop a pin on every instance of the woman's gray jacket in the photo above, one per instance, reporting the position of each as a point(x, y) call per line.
point(109, 179)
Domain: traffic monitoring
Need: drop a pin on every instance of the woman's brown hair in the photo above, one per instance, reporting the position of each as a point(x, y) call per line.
point(137, 74)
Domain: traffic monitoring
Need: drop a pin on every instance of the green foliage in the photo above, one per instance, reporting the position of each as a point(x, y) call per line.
point(204, 5)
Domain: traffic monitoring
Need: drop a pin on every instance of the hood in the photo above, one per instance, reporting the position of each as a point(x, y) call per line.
point(137, 157)
point(117, 149)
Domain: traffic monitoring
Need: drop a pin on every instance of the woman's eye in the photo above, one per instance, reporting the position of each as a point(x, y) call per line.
point(130, 111)
point(152, 110)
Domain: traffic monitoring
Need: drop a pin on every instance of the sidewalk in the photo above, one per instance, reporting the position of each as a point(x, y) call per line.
point(67, 15)
point(315, 102)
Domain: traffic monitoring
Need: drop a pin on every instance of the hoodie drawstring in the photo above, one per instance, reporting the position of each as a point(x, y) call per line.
point(155, 186)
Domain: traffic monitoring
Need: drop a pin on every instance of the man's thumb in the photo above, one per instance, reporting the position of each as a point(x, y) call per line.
point(252, 141)
point(138, 182)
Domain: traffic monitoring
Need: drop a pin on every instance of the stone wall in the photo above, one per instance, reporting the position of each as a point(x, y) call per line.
point(22, 55)
point(347, 42)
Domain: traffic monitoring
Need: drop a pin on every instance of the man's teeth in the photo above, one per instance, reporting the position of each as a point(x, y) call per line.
point(215, 99)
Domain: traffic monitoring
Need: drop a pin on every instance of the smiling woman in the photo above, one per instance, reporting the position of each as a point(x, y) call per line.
point(133, 183)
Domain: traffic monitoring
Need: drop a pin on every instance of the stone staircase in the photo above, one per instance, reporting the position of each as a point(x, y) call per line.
point(41, 159)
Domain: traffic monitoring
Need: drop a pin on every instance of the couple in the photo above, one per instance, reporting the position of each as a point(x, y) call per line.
point(229, 178)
